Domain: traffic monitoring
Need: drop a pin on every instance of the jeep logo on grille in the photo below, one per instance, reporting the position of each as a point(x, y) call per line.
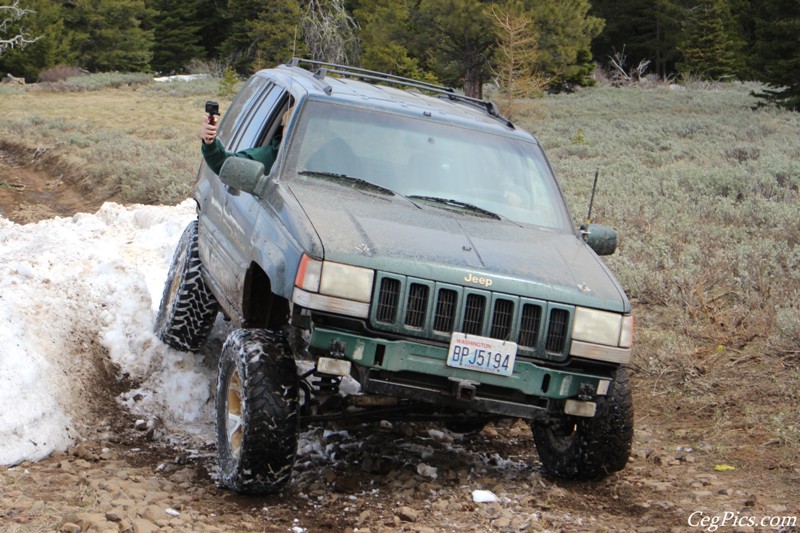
point(472, 278)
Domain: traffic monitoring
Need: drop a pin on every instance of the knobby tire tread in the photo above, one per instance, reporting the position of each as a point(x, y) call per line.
point(269, 382)
point(186, 316)
point(600, 445)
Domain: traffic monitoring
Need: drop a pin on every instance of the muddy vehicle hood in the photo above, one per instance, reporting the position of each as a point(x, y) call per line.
point(393, 234)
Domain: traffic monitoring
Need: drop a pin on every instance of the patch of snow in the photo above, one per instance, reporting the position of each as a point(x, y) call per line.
point(181, 77)
point(81, 290)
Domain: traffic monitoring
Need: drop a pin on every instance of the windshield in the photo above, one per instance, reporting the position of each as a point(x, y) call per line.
point(428, 161)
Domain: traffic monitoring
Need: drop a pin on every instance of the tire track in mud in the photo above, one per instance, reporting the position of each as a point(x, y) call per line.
point(36, 185)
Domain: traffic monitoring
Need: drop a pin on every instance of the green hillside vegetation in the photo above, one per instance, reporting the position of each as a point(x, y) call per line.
point(454, 42)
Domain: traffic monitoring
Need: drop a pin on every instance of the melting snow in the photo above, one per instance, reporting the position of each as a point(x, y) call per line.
point(72, 288)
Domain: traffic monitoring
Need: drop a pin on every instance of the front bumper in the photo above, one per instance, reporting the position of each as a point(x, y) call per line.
point(418, 371)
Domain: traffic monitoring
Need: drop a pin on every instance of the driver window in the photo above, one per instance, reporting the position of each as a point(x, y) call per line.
point(277, 121)
point(260, 119)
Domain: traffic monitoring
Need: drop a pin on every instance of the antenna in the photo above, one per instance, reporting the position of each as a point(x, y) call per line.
point(591, 200)
point(584, 229)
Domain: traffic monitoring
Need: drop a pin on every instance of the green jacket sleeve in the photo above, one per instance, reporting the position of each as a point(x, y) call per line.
point(215, 154)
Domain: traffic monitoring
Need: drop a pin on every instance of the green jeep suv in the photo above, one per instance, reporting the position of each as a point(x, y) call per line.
point(409, 255)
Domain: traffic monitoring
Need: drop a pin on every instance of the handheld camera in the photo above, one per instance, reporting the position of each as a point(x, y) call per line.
point(212, 108)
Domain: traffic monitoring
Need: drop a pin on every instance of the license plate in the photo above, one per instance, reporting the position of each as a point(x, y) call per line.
point(482, 354)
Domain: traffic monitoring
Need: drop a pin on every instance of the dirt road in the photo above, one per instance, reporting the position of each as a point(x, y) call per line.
point(687, 470)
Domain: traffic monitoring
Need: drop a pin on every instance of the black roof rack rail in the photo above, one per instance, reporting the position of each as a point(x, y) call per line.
point(323, 69)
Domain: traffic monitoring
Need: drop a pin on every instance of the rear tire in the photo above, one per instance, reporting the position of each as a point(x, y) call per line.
point(580, 448)
point(257, 395)
point(188, 307)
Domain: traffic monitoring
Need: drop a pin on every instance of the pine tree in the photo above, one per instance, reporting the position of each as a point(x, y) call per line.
point(261, 33)
point(566, 31)
point(777, 51)
point(385, 32)
point(458, 37)
point(215, 24)
point(277, 34)
point(176, 28)
point(709, 43)
point(646, 29)
point(106, 35)
point(238, 48)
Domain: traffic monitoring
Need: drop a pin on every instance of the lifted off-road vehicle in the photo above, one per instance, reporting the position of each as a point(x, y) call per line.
point(412, 243)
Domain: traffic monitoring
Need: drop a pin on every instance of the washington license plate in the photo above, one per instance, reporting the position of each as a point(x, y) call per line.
point(482, 354)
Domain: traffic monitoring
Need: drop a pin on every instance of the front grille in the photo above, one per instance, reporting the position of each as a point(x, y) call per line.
point(529, 326)
point(473, 314)
point(502, 319)
point(557, 332)
point(417, 304)
point(430, 310)
point(445, 317)
point(388, 301)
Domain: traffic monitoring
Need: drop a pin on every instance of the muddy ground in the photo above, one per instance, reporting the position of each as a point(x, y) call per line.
point(687, 469)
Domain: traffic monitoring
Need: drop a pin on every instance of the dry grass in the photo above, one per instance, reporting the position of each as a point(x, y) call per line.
point(134, 144)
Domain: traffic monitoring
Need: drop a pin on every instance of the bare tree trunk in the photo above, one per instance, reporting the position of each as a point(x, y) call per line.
point(473, 83)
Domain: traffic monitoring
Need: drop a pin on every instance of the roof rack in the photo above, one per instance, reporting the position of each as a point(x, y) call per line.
point(323, 69)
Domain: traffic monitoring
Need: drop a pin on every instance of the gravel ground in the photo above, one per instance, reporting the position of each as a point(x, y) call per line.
point(380, 477)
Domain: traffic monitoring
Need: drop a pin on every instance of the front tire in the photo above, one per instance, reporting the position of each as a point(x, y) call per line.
point(580, 448)
point(188, 307)
point(257, 395)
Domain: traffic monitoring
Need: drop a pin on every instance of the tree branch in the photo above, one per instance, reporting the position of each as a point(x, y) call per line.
point(9, 15)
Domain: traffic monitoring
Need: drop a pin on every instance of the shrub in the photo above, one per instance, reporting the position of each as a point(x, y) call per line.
point(94, 82)
point(228, 82)
point(60, 73)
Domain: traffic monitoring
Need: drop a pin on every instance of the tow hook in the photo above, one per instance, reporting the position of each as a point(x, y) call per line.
point(463, 389)
point(586, 392)
point(337, 348)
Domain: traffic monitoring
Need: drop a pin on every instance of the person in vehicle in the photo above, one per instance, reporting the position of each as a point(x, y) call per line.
point(215, 154)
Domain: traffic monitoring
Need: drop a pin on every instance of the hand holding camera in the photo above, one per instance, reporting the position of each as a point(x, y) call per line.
point(209, 130)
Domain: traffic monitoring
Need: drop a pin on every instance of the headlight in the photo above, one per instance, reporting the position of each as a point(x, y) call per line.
point(346, 281)
point(599, 327)
point(626, 335)
point(334, 287)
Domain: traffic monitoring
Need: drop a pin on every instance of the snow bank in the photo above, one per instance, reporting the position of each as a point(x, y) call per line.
point(181, 77)
point(73, 290)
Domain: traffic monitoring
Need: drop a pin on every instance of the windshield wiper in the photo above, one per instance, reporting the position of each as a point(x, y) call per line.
point(342, 177)
point(459, 204)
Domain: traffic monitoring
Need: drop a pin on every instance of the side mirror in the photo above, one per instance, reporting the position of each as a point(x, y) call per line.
point(601, 239)
point(243, 174)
